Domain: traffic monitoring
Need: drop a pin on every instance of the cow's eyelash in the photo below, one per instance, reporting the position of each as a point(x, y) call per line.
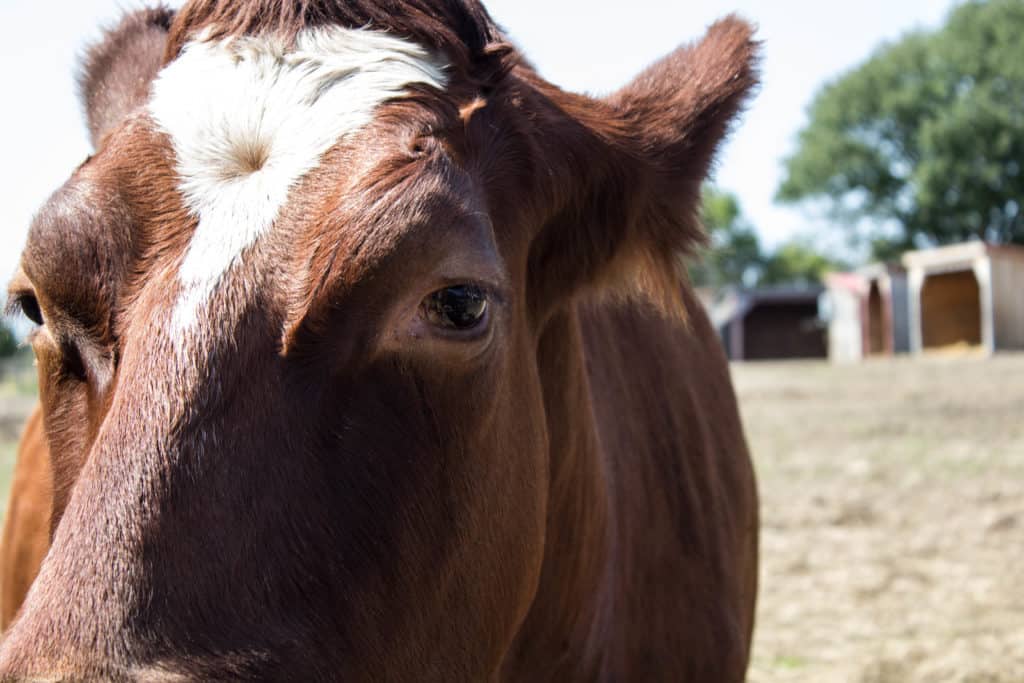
point(26, 304)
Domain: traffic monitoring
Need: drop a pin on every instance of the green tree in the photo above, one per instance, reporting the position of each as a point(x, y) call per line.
point(926, 139)
point(797, 262)
point(733, 256)
point(8, 342)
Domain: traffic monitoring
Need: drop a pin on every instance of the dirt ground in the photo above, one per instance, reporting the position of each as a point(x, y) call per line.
point(893, 517)
point(893, 520)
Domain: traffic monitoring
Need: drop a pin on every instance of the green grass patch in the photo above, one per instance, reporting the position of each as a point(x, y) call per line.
point(789, 662)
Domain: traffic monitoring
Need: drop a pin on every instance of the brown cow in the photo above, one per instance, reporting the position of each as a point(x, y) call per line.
point(363, 356)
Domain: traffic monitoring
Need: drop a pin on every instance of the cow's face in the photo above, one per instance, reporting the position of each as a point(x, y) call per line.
point(289, 319)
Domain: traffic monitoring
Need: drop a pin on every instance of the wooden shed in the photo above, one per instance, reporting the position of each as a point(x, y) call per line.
point(768, 324)
point(868, 312)
point(966, 296)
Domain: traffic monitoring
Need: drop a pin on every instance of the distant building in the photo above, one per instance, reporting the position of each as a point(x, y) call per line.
point(769, 324)
point(868, 312)
point(844, 308)
point(966, 296)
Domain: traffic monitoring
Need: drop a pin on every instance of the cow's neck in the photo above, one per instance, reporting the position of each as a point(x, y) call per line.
point(563, 632)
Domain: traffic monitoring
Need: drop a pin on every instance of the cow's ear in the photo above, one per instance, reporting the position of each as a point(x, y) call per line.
point(629, 169)
point(116, 71)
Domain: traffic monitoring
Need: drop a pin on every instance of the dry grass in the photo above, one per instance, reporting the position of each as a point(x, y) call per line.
point(893, 509)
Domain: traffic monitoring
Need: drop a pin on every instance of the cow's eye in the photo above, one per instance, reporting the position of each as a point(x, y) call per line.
point(29, 306)
point(460, 308)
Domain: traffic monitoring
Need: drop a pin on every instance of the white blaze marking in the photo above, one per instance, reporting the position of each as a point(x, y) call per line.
point(248, 118)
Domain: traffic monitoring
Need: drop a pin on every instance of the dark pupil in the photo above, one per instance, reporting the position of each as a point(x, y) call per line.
point(460, 307)
point(30, 307)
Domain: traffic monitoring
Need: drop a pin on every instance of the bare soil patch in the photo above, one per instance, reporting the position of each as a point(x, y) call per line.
point(893, 519)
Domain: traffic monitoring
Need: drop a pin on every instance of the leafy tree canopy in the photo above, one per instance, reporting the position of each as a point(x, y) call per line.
point(927, 136)
point(735, 255)
point(8, 342)
point(796, 262)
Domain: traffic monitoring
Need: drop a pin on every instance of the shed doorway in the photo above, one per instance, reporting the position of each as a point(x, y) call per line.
point(788, 329)
point(951, 310)
point(877, 331)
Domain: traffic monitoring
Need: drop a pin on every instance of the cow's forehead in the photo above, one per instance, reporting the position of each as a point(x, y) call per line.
point(249, 117)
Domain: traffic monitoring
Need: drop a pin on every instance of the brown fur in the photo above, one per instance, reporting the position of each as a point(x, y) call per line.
point(26, 535)
point(315, 486)
point(117, 71)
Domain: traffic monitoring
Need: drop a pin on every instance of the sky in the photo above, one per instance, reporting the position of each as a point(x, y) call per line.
point(590, 46)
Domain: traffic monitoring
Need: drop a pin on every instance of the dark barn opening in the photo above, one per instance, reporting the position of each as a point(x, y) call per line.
point(951, 310)
point(775, 330)
point(877, 328)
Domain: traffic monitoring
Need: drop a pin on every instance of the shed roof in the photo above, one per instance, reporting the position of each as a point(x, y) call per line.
point(737, 303)
point(875, 271)
point(851, 282)
point(963, 254)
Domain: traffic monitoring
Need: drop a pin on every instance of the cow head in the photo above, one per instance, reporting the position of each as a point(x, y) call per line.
point(290, 318)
